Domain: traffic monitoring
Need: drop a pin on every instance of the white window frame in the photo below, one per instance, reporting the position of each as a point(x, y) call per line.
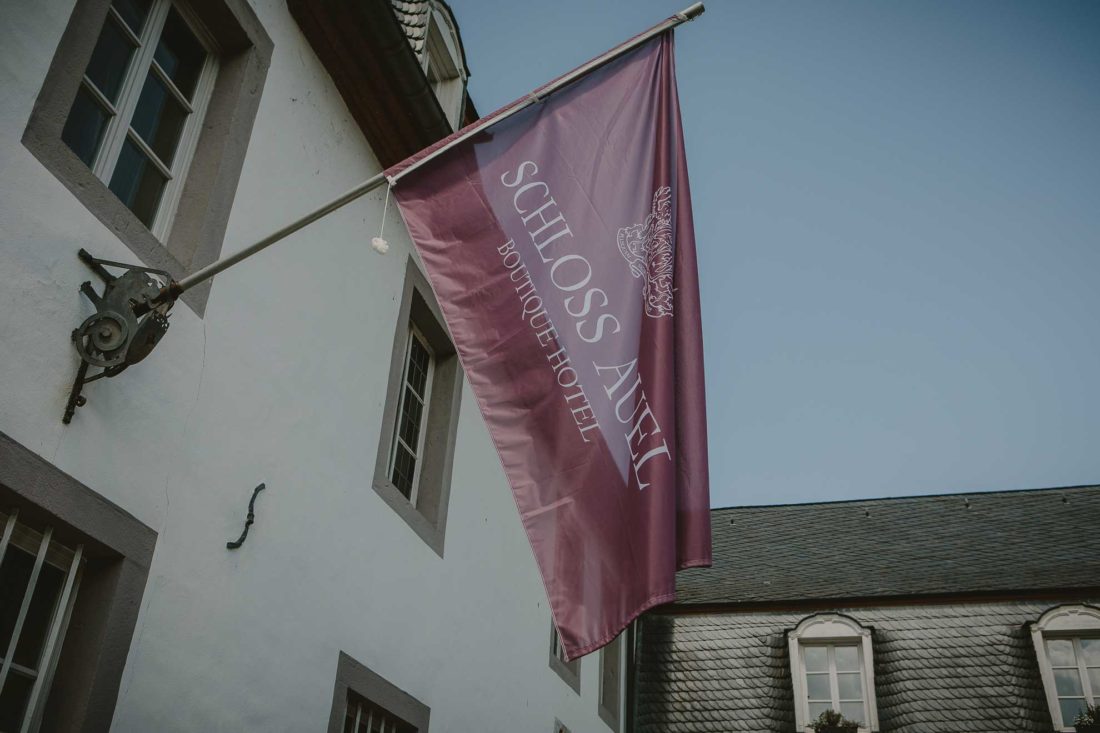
point(45, 551)
point(118, 128)
point(421, 432)
point(831, 630)
point(442, 64)
point(1065, 622)
point(387, 721)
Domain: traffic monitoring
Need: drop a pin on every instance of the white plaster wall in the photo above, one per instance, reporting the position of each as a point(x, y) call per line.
point(283, 381)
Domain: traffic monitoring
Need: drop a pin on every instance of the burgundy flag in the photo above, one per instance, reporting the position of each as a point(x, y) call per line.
point(559, 244)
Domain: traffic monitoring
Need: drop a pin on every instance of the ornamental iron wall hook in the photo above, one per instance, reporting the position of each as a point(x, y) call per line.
point(248, 521)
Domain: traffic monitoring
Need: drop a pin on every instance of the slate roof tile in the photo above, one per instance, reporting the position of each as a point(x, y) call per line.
point(962, 668)
point(413, 17)
point(1009, 540)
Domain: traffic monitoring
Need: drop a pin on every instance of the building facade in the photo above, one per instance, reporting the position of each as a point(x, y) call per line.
point(966, 613)
point(386, 579)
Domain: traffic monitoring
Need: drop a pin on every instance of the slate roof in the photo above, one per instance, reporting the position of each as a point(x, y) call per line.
point(413, 17)
point(962, 668)
point(1040, 539)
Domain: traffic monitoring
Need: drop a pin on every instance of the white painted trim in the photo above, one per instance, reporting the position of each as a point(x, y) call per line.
point(425, 400)
point(1066, 622)
point(9, 527)
point(831, 629)
point(117, 127)
point(39, 559)
point(192, 129)
point(119, 124)
point(48, 659)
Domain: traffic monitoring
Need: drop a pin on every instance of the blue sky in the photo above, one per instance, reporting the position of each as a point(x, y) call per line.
point(897, 211)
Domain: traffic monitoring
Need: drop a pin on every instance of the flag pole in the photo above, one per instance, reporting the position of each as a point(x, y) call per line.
point(175, 289)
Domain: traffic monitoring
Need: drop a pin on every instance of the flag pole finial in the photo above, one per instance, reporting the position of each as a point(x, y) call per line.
point(692, 11)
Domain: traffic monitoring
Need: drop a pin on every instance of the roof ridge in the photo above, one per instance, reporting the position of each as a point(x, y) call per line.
point(908, 497)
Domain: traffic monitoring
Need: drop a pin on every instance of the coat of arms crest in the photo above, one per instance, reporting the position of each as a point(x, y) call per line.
point(647, 248)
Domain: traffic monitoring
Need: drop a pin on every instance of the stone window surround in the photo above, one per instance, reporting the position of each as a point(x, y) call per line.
point(570, 672)
point(197, 233)
point(831, 628)
point(613, 718)
point(118, 550)
point(358, 678)
point(1071, 620)
point(428, 518)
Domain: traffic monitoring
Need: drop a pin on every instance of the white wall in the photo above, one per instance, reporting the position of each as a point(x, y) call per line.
point(282, 381)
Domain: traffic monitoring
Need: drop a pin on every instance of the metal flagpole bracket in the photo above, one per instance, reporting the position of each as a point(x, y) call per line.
point(173, 290)
point(116, 336)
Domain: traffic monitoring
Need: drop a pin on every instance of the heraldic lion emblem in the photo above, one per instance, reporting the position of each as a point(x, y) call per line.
point(647, 248)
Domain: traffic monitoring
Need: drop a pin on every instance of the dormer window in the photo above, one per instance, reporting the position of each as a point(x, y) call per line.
point(1067, 645)
point(442, 60)
point(832, 669)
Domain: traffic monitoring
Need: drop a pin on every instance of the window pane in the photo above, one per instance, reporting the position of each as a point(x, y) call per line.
point(1090, 650)
point(1067, 682)
point(109, 60)
point(817, 687)
point(13, 700)
point(817, 658)
point(180, 54)
point(404, 466)
point(849, 686)
point(84, 128)
point(15, 574)
point(419, 360)
point(847, 659)
point(817, 708)
point(411, 410)
point(134, 12)
point(852, 711)
point(1070, 709)
point(159, 118)
point(1094, 683)
point(1061, 653)
point(137, 182)
point(39, 615)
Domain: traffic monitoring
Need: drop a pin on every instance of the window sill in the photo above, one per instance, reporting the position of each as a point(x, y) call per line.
point(432, 534)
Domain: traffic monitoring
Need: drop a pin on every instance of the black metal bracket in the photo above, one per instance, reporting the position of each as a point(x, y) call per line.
point(248, 521)
point(116, 336)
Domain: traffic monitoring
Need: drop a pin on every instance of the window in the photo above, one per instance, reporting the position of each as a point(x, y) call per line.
point(443, 65)
point(568, 671)
point(364, 702)
point(145, 116)
point(71, 583)
point(38, 583)
point(140, 104)
point(363, 716)
point(1067, 645)
point(832, 669)
point(611, 675)
point(416, 445)
point(416, 384)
